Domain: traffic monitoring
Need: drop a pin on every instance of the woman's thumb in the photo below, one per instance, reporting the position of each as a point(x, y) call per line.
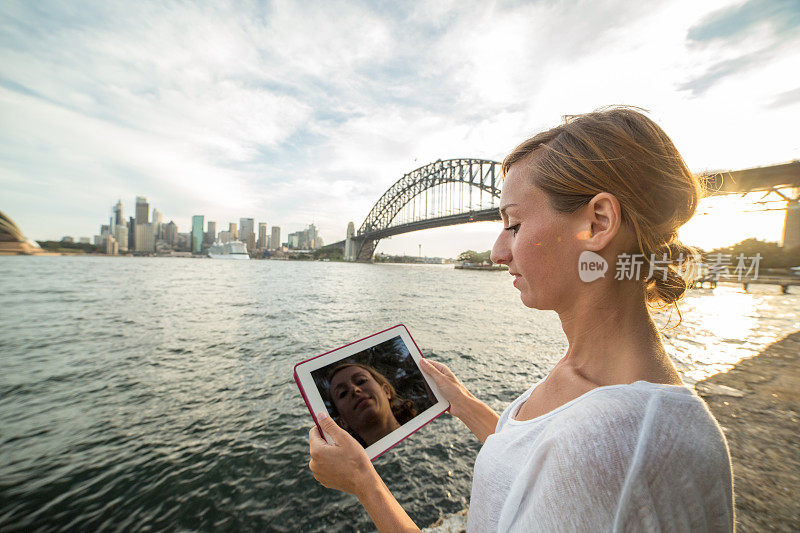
point(328, 424)
point(429, 369)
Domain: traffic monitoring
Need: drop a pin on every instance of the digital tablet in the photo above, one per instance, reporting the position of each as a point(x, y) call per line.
point(373, 388)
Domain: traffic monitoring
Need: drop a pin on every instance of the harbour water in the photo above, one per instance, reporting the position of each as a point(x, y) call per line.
point(158, 394)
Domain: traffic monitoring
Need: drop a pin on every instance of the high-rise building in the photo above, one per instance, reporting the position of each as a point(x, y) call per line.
point(246, 227)
point(234, 232)
point(131, 233)
point(145, 238)
point(119, 218)
point(262, 236)
point(225, 236)
point(158, 223)
point(109, 245)
point(121, 236)
point(247, 233)
point(170, 233)
point(275, 238)
point(142, 210)
point(211, 234)
point(197, 234)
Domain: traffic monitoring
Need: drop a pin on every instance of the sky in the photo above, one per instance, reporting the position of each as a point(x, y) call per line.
point(299, 112)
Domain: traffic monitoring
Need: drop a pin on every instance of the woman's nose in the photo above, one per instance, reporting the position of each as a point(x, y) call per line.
point(501, 252)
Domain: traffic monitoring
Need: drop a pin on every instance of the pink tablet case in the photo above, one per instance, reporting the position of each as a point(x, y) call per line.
point(314, 415)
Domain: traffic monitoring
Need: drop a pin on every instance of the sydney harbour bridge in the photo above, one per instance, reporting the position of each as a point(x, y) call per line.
point(460, 191)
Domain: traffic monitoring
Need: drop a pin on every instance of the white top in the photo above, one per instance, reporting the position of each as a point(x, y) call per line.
point(638, 457)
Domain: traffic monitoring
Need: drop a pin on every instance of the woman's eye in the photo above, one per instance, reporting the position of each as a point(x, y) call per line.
point(342, 394)
point(513, 229)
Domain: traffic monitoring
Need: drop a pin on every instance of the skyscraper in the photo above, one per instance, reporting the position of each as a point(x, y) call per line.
point(262, 236)
point(145, 238)
point(211, 234)
point(171, 233)
point(232, 230)
point(119, 218)
point(275, 239)
point(121, 236)
point(132, 234)
point(197, 234)
point(142, 210)
point(247, 233)
point(157, 223)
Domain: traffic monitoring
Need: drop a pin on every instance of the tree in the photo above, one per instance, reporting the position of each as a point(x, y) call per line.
point(471, 256)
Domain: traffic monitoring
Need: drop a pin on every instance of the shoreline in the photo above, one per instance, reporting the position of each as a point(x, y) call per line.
point(757, 404)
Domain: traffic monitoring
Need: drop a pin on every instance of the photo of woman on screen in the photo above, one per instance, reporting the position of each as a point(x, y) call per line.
point(365, 403)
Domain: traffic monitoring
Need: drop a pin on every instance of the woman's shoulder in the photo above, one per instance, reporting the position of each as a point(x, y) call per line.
point(637, 410)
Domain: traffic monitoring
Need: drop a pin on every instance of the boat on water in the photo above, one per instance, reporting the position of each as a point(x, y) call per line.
point(228, 250)
point(480, 266)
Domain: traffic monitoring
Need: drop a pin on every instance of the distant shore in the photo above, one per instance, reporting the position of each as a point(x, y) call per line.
point(757, 404)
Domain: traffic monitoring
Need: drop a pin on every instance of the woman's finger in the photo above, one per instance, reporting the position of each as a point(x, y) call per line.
point(314, 438)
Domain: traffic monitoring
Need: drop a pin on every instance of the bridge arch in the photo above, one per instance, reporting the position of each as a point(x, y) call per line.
point(482, 175)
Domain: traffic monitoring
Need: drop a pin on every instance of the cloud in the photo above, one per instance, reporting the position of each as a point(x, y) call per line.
point(764, 29)
point(738, 21)
point(786, 99)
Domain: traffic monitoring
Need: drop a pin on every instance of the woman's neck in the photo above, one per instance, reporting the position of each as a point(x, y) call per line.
point(612, 338)
point(379, 429)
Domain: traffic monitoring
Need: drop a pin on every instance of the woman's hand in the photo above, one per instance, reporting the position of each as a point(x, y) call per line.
point(453, 390)
point(343, 464)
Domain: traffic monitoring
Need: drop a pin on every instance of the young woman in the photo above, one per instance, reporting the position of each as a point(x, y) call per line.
point(610, 439)
point(365, 403)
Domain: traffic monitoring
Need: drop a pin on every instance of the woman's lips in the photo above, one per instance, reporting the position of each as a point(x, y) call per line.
point(361, 402)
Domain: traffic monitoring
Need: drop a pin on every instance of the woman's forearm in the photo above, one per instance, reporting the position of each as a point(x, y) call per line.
point(384, 509)
point(479, 417)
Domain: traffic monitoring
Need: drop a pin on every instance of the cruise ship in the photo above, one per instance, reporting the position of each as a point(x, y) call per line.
point(228, 250)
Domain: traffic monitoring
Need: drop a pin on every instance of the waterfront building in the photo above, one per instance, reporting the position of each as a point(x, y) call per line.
point(119, 217)
point(158, 223)
point(211, 233)
point(142, 210)
point(262, 236)
point(67, 239)
point(87, 240)
point(197, 234)
point(131, 233)
point(233, 230)
point(145, 238)
point(109, 245)
point(275, 238)
point(225, 237)
point(170, 233)
point(121, 236)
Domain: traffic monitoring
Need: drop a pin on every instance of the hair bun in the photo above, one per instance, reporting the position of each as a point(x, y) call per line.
point(678, 260)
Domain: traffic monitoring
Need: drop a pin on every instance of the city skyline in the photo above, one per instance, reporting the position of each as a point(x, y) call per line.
point(231, 110)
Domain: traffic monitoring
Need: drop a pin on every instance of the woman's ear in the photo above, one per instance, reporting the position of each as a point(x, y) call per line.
point(387, 390)
point(601, 219)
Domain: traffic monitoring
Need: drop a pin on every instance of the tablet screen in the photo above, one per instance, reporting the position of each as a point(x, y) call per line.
point(373, 388)
point(373, 392)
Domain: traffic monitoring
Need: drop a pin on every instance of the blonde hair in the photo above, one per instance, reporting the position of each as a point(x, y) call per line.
point(621, 151)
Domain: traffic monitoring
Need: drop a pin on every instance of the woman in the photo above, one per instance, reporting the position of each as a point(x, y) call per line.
point(365, 403)
point(610, 439)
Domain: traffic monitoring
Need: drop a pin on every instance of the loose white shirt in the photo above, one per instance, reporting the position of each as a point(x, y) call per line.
point(637, 457)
